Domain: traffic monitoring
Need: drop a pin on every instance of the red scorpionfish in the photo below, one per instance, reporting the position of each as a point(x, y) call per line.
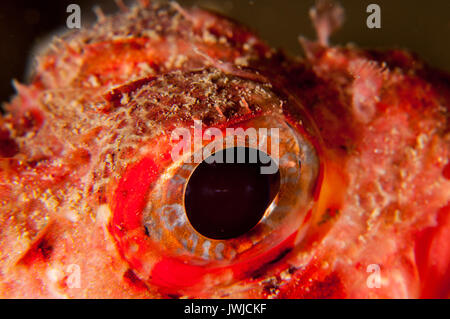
point(93, 204)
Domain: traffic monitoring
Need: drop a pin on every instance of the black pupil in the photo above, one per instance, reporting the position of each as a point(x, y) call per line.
point(226, 200)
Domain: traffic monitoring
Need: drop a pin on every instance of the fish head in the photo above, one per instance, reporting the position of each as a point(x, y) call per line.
point(113, 184)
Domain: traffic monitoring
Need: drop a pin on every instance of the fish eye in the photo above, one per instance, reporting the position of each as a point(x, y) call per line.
point(183, 213)
point(228, 205)
point(226, 198)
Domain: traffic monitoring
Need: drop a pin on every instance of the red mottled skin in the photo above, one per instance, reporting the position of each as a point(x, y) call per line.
point(85, 144)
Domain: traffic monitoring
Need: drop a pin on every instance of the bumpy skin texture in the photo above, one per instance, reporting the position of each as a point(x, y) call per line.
point(87, 140)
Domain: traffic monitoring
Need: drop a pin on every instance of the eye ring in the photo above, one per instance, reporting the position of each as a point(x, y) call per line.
point(166, 220)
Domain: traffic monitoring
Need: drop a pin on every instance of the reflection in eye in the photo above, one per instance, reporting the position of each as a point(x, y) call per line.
point(225, 199)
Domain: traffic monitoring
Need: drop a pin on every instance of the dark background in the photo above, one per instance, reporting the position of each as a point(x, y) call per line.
point(421, 26)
